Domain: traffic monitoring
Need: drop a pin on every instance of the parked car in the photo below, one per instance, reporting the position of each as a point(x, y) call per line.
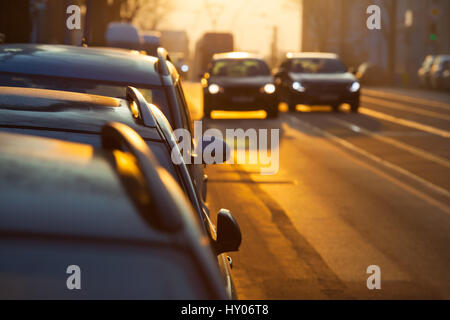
point(101, 71)
point(424, 72)
point(80, 118)
point(239, 81)
point(316, 79)
point(439, 72)
point(110, 213)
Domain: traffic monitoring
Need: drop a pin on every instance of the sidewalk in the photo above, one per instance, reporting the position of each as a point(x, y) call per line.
point(417, 96)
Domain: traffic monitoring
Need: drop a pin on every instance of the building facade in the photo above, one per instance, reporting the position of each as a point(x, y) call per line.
point(421, 27)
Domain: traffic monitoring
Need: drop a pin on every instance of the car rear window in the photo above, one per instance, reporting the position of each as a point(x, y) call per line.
point(317, 65)
point(37, 269)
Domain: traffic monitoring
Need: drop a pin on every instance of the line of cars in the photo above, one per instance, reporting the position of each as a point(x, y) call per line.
point(87, 179)
point(243, 81)
point(435, 72)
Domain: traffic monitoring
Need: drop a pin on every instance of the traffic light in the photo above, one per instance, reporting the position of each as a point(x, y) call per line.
point(433, 32)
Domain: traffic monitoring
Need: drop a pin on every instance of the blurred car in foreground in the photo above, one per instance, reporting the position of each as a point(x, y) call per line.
point(239, 81)
point(111, 211)
point(439, 74)
point(316, 79)
point(79, 118)
point(100, 71)
point(424, 72)
point(369, 74)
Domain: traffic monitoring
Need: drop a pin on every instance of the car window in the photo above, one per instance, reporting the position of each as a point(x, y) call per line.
point(153, 272)
point(184, 109)
point(317, 65)
point(154, 95)
point(240, 68)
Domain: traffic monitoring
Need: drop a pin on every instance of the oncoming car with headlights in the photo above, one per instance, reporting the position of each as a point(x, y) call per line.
point(316, 79)
point(239, 81)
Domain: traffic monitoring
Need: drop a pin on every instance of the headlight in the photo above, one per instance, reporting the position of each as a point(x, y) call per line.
point(297, 86)
point(269, 88)
point(185, 68)
point(214, 89)
point(355, 87)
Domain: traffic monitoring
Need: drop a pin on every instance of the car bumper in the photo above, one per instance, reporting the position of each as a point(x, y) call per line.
point(224, 101)
point(322, 98)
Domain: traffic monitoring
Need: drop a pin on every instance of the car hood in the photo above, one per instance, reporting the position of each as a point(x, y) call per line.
point(326, 77)
point(245, 81)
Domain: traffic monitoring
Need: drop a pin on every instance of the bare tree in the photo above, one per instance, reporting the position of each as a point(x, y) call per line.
point(148, 14)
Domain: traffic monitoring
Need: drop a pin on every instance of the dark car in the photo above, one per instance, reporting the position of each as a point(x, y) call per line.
point(239, 81)
point(100, 71)
point(79, 222)
point(316, 79)
point(79, 118)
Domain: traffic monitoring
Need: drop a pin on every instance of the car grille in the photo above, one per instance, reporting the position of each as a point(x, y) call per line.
point(242, 91)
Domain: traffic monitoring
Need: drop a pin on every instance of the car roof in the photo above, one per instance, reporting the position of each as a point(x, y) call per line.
point(62, 110)
point(63, 193)
point(237, 55)
point(318, 55)
point(80, 63)
point(72, 189)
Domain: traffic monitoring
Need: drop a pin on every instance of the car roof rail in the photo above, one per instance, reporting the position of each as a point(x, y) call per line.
point(144, 112)
point(118, 136)
point(163, 57)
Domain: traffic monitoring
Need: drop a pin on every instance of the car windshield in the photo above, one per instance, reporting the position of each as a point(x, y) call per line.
point(153, 95)
point(240, 68)
point(317, 65)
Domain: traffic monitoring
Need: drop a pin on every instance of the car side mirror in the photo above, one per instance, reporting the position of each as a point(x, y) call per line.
point(229, 235)
point(215, 150)
point(352, 70)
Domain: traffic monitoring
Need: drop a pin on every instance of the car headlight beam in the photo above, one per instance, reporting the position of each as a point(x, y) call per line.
point(355, 87)
point(297, 86)
point(214, 89)
point(269, 88)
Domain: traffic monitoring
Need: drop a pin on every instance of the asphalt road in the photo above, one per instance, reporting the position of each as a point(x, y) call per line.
point(353, 190)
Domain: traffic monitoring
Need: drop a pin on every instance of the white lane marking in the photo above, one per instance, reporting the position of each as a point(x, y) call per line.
point(403, 98)
point(404, 122)
point(416, 151)
point(403, 107)
point(389, 165)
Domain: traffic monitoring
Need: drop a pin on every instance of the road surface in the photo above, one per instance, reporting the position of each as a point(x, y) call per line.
point(352, 191)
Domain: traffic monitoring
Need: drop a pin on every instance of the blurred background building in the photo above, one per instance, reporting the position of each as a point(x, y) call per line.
point(411, 30)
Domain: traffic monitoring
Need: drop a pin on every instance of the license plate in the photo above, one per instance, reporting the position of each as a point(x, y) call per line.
point(242, 99)
point(328, 97)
